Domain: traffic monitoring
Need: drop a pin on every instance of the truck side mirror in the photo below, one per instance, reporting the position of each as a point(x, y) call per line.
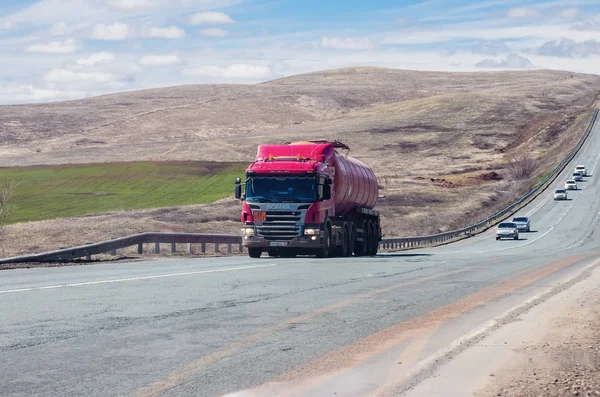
point(238, 188)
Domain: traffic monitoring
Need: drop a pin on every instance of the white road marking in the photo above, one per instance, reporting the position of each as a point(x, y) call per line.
point(121, 280)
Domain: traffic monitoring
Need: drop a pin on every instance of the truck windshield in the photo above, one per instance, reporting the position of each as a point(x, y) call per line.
point(288, 189)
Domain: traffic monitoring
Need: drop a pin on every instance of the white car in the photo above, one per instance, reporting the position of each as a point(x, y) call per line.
point(570, 185)
point(523, 223)
point(507, 230)
point(577, 177)
point(581, 169)
point(560, 194)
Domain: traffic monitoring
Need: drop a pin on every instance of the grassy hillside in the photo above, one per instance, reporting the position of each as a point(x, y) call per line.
point(64, 191)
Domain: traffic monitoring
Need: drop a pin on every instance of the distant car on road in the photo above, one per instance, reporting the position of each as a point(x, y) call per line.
point(507, 230)
point(581, 169)
point(560, 194)
point(571, 185)
point(523, 223)
point(577, 177)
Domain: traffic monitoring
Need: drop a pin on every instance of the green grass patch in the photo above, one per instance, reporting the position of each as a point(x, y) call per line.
point(70, 190)
point(545, 175)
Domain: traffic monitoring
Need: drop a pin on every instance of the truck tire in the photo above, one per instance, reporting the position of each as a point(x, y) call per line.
point(254, 252)
point(360, 247)
point(374, 239)
point(369, 242)
point(347, 245)
point(326, 250)
point(273, 253)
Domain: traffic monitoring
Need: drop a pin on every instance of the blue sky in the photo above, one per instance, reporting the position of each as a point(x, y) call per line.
point(67, 49)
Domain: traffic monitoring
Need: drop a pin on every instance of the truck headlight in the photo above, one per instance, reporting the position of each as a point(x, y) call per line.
point(311, 232)
point(248, 231)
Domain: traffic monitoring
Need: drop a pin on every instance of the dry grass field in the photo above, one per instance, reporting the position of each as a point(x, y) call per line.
point(439, 142)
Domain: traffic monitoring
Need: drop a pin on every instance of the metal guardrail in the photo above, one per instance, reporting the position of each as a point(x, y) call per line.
point(435, 239)
point(88, 250)
point(216, 239)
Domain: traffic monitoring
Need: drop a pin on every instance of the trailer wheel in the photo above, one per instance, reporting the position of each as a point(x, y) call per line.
point(347, 247)
point(374, 242)
point(360, 247)
point(254, 252)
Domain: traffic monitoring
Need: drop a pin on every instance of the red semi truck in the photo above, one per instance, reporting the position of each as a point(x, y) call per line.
point(305, 198)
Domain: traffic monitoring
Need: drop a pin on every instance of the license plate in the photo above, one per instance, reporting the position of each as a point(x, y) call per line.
point(278, 243)
point(259, 216)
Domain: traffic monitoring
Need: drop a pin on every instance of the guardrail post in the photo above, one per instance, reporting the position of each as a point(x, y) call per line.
point(113, 252)
point(241, 248)
point(157, 248)
point(88, 257)
point(140, 249)
point(229, 249)
point(203, 248)
point(217, 247)
point(188, 248)
point(173, 248)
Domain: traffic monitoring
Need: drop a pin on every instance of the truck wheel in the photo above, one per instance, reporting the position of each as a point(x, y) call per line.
point(347, 246)
point(369, 243)
point(324, 252)
point(254, 252)
point(360, 246)
point(273, 253)
point(375, 240)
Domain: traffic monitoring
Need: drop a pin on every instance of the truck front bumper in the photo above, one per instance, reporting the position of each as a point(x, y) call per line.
point(300, 242)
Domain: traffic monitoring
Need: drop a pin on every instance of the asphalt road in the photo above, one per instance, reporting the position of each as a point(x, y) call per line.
point(294, 327)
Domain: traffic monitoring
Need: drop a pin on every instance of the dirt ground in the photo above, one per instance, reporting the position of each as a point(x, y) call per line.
point(565, 363)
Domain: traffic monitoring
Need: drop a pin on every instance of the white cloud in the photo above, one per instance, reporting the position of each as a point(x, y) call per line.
point(522, 12)
point(96, 58)
point(214, 32)
point(27, 93)
point(68, 76)
point(490, 48)
point(131, 4)
point(159, 60)
point(47, 12)
point(5, 24)
point(481, 32)
point(570, 13)
point(512, 61)
point(116, 31)
point(172, 32)
point(347, 44)
point(569, 48)
point(59, 29)
point(235, 72)
point(55, 47)
point(210, 18)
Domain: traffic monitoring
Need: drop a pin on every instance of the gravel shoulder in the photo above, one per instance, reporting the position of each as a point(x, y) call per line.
point(566, 360)
point(551, 349)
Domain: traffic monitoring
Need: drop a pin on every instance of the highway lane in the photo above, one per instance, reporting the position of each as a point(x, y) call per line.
point(210, 327)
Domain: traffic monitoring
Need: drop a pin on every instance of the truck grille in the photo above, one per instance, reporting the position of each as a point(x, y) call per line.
point(280, 225)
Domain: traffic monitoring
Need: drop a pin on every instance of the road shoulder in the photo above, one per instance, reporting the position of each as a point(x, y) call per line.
point(552, 349)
